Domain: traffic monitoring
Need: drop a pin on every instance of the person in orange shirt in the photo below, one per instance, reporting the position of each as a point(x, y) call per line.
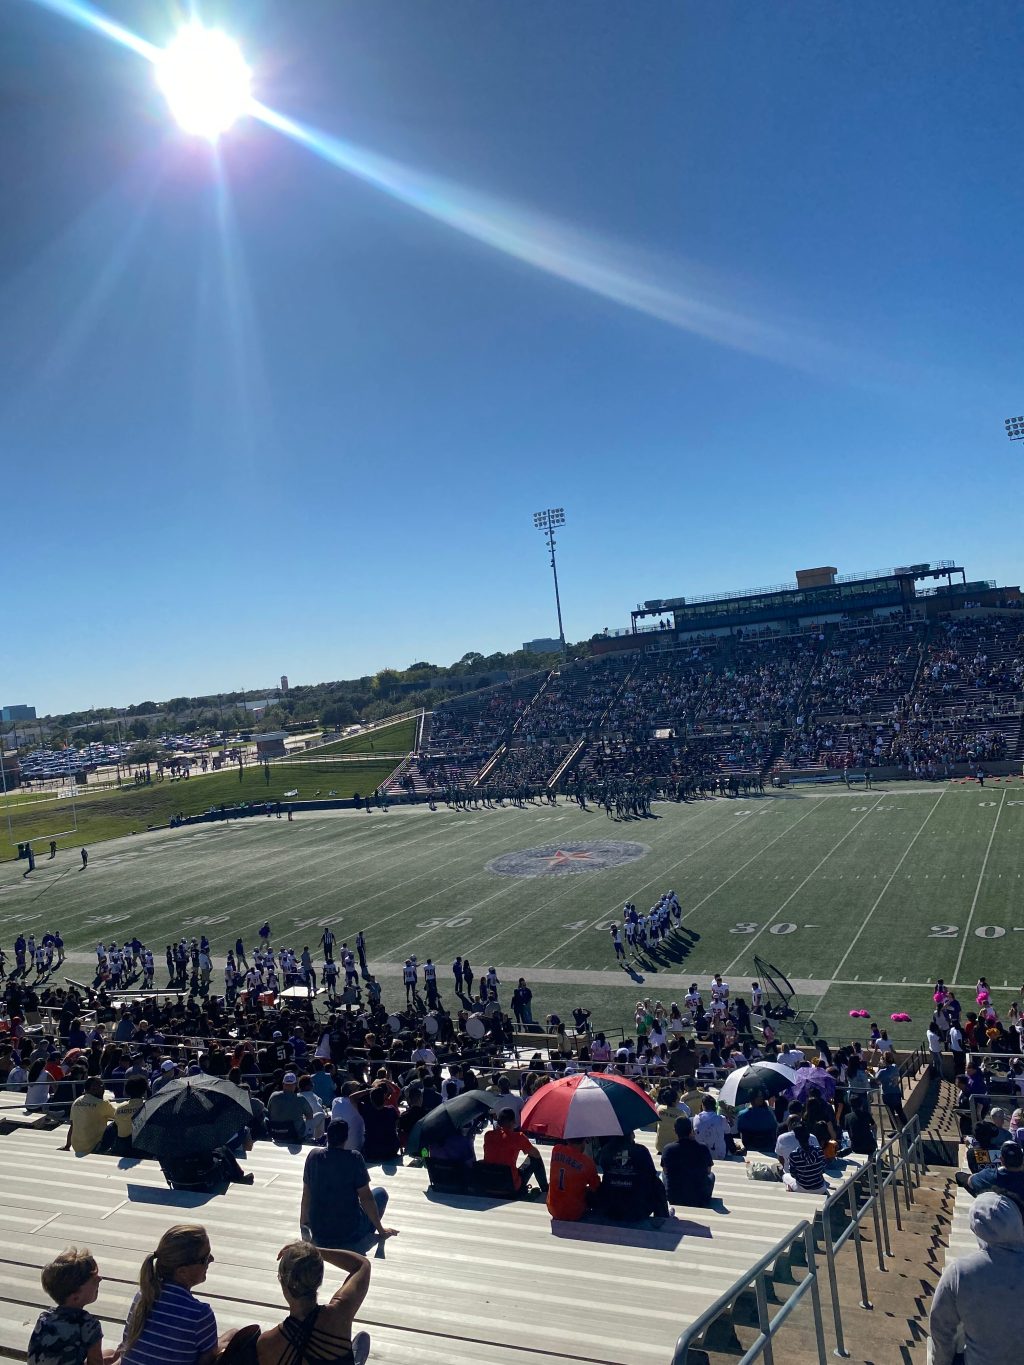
point(505, 1143)
point(574, 1177)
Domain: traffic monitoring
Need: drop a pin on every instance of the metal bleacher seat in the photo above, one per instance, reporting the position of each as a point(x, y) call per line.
point(555, 1293)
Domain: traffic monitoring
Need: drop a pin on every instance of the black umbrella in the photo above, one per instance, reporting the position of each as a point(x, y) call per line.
point(449, 1117)
point(190, 1116)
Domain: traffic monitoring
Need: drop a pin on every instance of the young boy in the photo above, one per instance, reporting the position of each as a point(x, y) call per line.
point(67, 1334)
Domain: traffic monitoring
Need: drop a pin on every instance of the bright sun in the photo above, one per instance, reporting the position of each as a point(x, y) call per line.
point(205, 80)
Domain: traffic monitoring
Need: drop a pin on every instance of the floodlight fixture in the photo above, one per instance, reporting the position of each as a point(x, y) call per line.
point(546, 521)
point(1015, 428)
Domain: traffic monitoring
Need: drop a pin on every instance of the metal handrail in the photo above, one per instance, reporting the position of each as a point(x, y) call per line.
point(762, 1348)
point(909, 1141)
point(899, 1162)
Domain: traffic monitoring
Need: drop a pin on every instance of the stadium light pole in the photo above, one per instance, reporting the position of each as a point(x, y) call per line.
point(1015, 428)
point(546, 521)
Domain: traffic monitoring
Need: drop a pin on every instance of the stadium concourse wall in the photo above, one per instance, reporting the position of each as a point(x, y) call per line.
point(265, 808)
point(996, 767)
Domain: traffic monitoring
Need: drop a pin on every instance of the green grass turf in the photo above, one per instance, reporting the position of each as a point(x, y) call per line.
point(861, 898)
point(389, 739)
point(110, 814)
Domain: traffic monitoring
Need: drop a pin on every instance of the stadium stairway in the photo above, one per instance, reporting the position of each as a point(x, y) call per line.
point(893, 1331)
point(466, 1276)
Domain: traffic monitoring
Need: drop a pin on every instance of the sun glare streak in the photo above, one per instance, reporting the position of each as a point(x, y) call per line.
point(86, 16)
point(553, 247)
point(633, 281)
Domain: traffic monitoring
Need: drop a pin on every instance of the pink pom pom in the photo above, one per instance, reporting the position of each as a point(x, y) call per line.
point(855, 1014)
point(900, 1017)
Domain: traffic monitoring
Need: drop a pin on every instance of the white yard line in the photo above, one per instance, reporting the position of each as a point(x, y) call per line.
point(885, 888)
point(747, 944)
point(567, 883)
point(661, 877)
point(977, 889)
point(754, 859)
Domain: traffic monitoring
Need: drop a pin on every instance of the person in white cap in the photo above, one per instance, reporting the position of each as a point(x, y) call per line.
point(286, 1110)
point(168, 1072)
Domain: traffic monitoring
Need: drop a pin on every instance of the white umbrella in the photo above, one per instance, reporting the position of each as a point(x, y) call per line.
point(739, 1085)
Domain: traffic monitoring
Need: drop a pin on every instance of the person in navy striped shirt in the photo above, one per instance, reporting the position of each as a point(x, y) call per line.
point(166, 1324)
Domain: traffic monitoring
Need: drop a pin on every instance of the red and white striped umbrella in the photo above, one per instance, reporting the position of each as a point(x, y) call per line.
point(600, 1105)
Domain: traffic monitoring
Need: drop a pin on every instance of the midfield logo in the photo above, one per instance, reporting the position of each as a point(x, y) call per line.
point(567, 860)
point(561, 857)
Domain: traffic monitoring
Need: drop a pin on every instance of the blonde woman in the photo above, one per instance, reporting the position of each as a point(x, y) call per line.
point(315, 1333)
point(166, 1324)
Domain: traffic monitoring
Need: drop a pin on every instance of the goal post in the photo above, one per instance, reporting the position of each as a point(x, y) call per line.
point(37, 818)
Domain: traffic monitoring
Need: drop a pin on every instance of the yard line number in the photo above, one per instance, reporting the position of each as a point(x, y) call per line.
point(953, 931)
point(749, 927)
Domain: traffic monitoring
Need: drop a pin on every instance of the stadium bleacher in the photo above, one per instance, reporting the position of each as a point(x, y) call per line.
point(464, 1274)
point(920, 695)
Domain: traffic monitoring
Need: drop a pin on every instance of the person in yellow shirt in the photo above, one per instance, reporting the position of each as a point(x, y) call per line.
point(670, 1108)
point(120, 1140)
point(90, 1115)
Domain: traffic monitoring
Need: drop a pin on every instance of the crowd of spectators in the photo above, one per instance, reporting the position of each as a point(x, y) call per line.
point(860, 674)
point(652, 717)
point(973, 658)
point(572, 702)
point(759, 684)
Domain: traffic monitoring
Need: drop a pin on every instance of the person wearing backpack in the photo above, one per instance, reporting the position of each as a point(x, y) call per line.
point(803, 1162)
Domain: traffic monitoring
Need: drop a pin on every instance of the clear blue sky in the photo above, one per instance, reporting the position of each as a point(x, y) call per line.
point(762, 311)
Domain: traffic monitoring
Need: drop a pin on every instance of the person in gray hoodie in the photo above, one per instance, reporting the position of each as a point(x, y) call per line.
point(976, 1303)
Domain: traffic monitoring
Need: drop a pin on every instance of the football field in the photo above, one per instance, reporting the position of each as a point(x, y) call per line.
point(862, 898)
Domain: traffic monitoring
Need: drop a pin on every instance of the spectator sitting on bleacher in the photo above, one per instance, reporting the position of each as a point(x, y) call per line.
point(1006, 1177)
point(380, 1140)
point(710, 1128)
point(456, 1146)
point(670, 1108)
point(345, 1108)
point(505, 1143)
point(339, 1209)
point(90, 1115)
point(316, 1117)
point(988, 1136)
point(411, 1114)
point(508, 1099)
point(287, 1110)
point(631, 1189)
point(68, 1334)
point(686, 1164)
point(803, 1164)
point(118, 1137)
point(165, 1321)
point(756, 1124)
point(313, 1331)
point(575, 1181)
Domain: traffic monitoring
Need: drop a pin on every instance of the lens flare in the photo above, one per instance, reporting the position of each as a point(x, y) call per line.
point(205, 80)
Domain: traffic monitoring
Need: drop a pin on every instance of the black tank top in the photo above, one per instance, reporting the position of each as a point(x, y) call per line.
point(308, 1346)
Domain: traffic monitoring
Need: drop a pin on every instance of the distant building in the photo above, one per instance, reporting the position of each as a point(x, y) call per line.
point(284, 682)
point(10, 771)
point(543, 646)
point(259, 705)
point(19, 713)
point(271, 745)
